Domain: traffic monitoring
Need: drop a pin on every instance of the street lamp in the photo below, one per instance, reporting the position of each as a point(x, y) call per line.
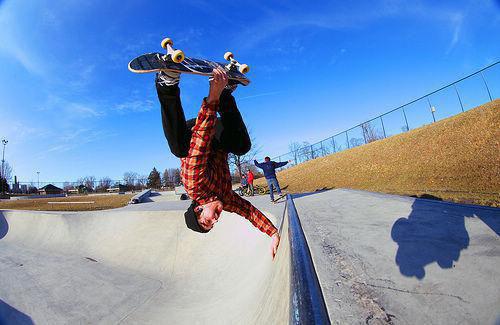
point(4, 142)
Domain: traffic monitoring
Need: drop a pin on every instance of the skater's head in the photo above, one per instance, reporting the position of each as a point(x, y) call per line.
point(267, 159)
point(202, 218)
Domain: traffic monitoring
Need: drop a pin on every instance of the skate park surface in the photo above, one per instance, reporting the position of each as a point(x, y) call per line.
point(379, 259)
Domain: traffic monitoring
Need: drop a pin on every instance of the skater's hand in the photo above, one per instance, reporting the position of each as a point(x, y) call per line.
point(275, 244)
point(217, 84)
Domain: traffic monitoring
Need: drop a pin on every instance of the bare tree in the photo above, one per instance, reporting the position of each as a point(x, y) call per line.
point(370, 133)
point(89, 182)
point(306, 152)
point(104, 184)
point(295, 148)
point(355, 142)
point(7, 171)
point(129, 178)
point(142, 180)
point(236, 162)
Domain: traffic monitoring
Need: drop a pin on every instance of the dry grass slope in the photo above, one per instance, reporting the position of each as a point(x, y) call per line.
point(455, 159)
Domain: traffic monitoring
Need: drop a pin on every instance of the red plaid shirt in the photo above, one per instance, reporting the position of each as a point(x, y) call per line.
point(205, 172)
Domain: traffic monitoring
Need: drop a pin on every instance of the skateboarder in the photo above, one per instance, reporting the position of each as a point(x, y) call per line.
point(269, 168)
point(203, 145)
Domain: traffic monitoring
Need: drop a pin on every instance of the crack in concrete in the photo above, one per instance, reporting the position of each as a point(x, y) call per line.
point(413, 292)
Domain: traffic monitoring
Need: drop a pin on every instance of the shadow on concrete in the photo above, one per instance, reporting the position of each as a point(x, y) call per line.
point(317, 191)
point(4, 226)
point(10, 315)
point(435, 232)
point(427, 197)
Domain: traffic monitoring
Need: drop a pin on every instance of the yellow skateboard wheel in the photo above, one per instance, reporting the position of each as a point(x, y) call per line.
point(243, 68)
point(178, 56)
point(228, 56)
point(165, 42)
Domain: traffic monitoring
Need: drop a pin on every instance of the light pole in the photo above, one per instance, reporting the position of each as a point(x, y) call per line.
point(4, 142)
point(38, 174)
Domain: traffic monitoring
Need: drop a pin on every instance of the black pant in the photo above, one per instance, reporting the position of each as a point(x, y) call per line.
point(231, 133)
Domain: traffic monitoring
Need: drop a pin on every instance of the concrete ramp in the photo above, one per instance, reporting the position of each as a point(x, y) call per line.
point(140, 267)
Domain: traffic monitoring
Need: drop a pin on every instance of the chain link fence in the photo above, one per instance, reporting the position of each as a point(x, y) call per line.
point(454, 98)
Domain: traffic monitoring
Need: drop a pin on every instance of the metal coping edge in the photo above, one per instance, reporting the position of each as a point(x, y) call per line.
point(307, 304)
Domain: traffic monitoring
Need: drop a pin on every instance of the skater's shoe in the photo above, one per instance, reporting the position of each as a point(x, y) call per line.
point(168, 78)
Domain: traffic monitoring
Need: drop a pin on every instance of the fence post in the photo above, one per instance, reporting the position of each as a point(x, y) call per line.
point(432, 109)
point(348, 146)
point(363, 130)
point(334, 147)
point(459, 99)
point(322, 149)
point(383, 127)
point(406, 120)
point(312, 152)
point(486, 85)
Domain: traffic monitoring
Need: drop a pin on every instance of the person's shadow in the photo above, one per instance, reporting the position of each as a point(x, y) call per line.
point(435, 232)
point(10, 315)
point(4, 226)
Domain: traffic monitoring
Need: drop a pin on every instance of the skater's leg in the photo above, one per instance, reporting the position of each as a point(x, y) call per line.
point(276, 185)
point(271, 188)
point(234, 137)
point(176, 130)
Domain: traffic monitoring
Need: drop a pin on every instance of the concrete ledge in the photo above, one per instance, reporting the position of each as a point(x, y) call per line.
point(47, 196)
point(139, 197)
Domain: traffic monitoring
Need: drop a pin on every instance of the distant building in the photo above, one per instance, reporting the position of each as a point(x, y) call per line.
point(24, 189)
point(50, 189)
point(118, 188)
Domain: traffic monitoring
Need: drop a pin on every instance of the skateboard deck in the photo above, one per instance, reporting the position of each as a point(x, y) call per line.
point(174, 60)
point(279, 197)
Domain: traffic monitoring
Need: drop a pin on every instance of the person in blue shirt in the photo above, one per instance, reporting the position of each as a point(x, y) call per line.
point(269, 168)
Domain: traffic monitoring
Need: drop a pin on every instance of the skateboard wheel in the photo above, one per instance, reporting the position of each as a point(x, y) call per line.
point(178, 56)
point(165, 42)
point(228, 56)
point(243, 68)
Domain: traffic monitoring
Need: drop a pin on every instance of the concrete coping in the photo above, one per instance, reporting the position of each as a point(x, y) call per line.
point(139, 197)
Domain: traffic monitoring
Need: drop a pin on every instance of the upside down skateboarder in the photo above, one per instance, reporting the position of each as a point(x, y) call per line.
point(203, 146)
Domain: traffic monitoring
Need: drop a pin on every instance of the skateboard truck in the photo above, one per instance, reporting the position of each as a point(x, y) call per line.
point(176, 56)
point(243, 68)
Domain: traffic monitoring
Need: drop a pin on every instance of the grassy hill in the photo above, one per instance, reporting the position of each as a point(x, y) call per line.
point(455, 159)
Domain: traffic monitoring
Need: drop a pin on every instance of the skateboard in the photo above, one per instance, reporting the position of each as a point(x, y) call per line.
point(279, 197)
point(175, 60)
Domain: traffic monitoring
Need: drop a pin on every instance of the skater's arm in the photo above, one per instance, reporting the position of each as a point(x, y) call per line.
point(257, 164)
point(204, 128)
point(280, 164)
point(248, 211)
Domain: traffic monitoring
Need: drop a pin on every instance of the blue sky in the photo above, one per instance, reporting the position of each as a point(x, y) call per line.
point(70, 108)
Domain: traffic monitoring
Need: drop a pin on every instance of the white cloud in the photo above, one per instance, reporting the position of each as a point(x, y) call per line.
point(456, 22)
point(15, 43)
point(260, 95)
point(135, 106)
point(71, 110)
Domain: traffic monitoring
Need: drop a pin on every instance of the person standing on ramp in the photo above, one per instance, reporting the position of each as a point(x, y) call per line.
point(269, 168)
